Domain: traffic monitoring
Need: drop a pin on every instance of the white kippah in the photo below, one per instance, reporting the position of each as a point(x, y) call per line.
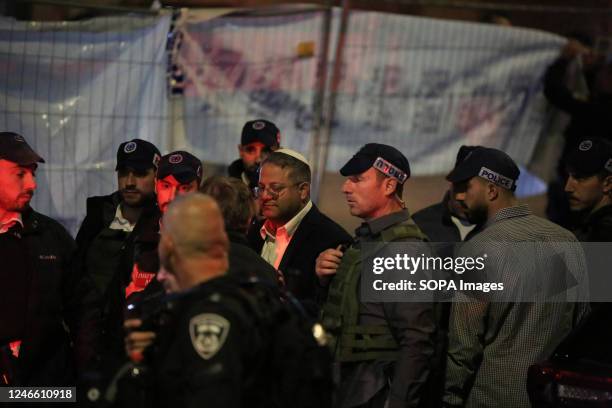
point(295, 155)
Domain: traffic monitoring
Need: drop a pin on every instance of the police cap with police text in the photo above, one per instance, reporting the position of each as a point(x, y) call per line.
point(590, 156)
point(184, 166)
point(490, 164)
point(14, 148)
point(260, 130)
point(137, 154)
point(384, 158)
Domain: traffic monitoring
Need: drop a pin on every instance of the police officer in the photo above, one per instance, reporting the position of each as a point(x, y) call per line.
point(40, 293)
point(259, 138)
point(179, 173)
point(589, 188)
point(492, 343)
point(210, 353)
point(391, 369)
point(103, 246)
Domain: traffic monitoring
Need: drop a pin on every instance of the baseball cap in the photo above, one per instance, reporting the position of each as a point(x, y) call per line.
point(184, 166)
point(14, 148)
point(137, 154)
point(590, 157)
point(384, 158)
point(260, 130)
point(463, 152)
point(490, 164)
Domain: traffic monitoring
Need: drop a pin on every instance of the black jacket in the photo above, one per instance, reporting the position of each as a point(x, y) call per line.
point(435, 221)
point(58, 297)
point(100, 213)
point(596, 227)
point(246, 263)
point(315, 234)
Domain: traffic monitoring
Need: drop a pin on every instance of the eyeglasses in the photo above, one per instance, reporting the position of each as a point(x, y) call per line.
point(273, 190)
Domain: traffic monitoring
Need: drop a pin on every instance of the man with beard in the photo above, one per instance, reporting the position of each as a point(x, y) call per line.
point(293, 231)
point(178, 173)
point(493, 341)
point(102, 240)
point(589, 188)
point(259, 138)
point(40, 296)
point(445, 223)
point(105, 241)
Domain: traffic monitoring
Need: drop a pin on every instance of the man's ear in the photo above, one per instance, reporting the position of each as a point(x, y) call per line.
point(492, 191)
point(305, 191)
point(607, 184)
point(390, 186)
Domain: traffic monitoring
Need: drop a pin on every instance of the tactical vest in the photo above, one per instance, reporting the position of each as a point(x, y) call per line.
point(340, 315)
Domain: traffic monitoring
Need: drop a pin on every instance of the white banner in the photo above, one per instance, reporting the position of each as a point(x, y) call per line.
point(425, 86)
point(76, 90)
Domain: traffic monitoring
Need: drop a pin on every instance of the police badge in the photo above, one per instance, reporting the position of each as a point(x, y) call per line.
point(208, 332)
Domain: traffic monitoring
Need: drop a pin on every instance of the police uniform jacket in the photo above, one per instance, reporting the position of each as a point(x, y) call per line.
point(398, 383)
point(492, 344)
point(210, 352)
point(58, 298)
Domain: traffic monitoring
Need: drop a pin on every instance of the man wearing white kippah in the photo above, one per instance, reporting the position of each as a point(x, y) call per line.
point(293, 231)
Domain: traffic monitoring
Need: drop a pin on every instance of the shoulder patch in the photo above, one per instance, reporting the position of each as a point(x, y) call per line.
point(208, 332)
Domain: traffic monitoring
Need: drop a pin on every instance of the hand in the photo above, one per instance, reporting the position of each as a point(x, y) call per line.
point(327, 263)
point(136, 341)
point(574, 48)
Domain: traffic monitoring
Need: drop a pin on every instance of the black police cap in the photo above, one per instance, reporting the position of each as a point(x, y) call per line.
point(260, 130)
point(14, 148)
point(589, 157)
point(490, 164)
point(184, 166)
point(387, 159)
point(137, 154)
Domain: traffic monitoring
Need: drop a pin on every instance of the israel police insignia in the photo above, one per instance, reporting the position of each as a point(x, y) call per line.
point(130, 147)
point(208, 333)
point(585, 145)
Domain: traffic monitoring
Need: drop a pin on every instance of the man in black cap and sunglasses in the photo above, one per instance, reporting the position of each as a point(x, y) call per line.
point(40, 296)
point(382, 350)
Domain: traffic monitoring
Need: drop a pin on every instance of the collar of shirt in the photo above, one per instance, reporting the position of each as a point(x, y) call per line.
point(120, 223)
point(5, 226)
point(375, 226)
point(267, 230)
point(509, 212)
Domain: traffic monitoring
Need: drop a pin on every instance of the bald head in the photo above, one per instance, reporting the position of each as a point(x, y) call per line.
point(195, 224)
point(193, 244)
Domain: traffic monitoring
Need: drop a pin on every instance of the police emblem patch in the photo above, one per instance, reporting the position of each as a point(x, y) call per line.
point(175, 158)
point(208, 333)
point(259, 125)
point(585, 145)
point(129, 147)
point(19, 138)
point(608, 165)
